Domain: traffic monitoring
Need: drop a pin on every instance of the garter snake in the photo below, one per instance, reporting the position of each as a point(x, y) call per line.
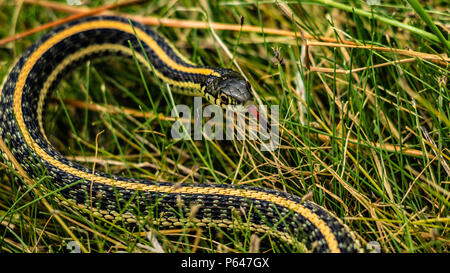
point(41, 67)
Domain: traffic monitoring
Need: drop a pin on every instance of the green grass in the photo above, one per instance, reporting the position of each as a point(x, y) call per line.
point(344, 136)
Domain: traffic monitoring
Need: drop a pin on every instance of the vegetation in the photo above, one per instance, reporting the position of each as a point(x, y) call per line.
point(364, 121)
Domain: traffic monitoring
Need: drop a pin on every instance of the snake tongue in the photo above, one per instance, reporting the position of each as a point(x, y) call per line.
point(253, 110)
point(262, 121)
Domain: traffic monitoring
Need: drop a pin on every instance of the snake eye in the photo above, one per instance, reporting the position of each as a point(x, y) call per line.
point(224, 97)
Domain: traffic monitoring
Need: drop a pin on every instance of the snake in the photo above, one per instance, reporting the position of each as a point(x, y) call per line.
point(169, 205)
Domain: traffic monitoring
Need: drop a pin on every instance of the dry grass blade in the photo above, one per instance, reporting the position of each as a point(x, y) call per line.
point(31, 183)
point(310, 39)
point(79, 15)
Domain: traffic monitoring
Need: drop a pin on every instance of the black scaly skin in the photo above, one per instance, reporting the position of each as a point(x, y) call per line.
point(156, 205)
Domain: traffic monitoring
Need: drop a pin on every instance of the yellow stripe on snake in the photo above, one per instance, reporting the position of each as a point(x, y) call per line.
point(41, 67)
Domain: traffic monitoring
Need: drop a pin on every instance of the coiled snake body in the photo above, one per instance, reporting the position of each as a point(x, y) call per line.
point(38, 71)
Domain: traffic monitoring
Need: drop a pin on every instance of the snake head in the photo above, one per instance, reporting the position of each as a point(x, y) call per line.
point(228, 89)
